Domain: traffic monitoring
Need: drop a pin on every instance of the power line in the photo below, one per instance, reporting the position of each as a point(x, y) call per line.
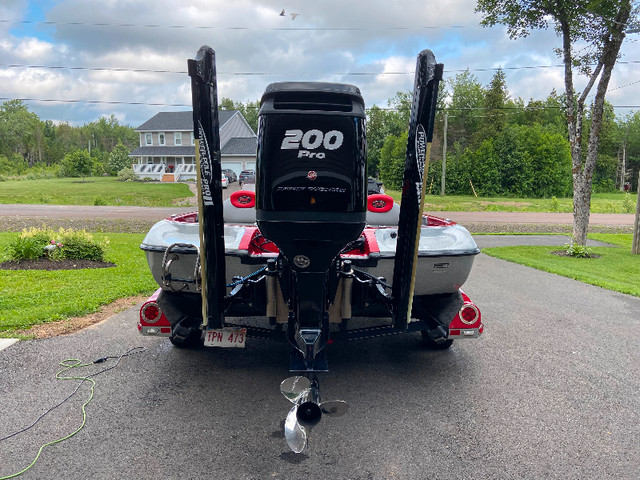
point(153, 104)
point(107, 102)
point(240, 28)
point(293, 74)
point(623, 86)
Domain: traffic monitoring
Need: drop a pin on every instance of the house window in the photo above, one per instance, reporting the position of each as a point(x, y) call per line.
point(177, 138)
point(193, 139)
point(161, 138)
point(148, 139)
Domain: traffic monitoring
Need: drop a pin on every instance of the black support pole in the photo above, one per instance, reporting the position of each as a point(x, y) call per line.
point(204, 92)
point(423, 109)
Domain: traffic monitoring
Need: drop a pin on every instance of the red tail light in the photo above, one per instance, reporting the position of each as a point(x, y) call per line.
point(469, 314)
point(151, 312)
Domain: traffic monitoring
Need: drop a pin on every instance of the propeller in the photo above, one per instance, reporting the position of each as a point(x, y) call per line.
point(295, 433)
point(307, 410)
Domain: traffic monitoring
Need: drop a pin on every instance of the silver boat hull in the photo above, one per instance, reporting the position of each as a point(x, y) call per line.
point(445, 256)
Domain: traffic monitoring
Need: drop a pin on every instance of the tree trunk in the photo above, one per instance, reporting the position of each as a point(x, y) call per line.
point(635, 245)
point(583, 173)
point(575, 112)
point(581, 208)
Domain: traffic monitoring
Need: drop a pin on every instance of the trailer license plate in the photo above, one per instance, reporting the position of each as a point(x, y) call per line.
point(228, 337)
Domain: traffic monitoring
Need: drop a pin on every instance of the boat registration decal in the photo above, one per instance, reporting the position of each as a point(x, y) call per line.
point(227, 337)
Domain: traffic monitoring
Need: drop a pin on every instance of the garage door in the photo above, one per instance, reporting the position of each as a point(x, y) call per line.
point(235, 166)
point(251, 165)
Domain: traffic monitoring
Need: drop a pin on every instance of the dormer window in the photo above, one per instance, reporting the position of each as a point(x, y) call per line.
point(161, 138)
point(148, 139)
point(177, 138)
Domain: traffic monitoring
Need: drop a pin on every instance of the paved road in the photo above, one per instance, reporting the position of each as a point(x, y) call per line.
point(88, 211)
point(91, 211)
point(552, 390)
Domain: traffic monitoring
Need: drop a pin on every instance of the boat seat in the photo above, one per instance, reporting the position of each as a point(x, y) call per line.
point(382, 211)
point(240, 208)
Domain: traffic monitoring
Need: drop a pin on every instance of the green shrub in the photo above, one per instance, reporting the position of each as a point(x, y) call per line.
point(627, 204)
point(127, 175)
point(39, 175)
point(15, 164)
point(78, 164)
point(70, 244)
point(99, 201)
point(555, 204)
point(578, 251)
point(77, 249)
point(30, 245)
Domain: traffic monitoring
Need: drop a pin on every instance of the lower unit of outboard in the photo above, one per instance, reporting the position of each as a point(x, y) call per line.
point(311, 198)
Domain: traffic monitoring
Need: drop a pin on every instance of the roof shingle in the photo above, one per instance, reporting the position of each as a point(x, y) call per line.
point(184, 151)
point(240, 146)
point(176, 121)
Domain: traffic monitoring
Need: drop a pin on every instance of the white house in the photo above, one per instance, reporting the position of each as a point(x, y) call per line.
point(167, 146)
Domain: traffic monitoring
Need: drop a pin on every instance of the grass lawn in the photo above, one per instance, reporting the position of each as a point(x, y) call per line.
point(31, 297)
point(615, 269)
point(94, 191)
point(617, 202)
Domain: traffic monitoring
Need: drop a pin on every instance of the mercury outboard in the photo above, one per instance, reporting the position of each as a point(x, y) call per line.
point(311, 198)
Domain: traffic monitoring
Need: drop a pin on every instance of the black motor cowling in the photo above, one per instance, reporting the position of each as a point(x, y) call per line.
point(311, 184)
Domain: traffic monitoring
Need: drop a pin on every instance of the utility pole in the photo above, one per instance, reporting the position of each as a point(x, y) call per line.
point(444, 153)
point(624, 166)
point(635, 245)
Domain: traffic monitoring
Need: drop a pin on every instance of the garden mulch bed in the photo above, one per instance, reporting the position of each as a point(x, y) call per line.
point(43, 264)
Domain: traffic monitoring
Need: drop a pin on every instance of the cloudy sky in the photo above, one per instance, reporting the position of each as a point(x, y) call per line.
point(101, 44)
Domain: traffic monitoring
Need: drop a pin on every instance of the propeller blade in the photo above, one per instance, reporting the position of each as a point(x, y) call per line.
point(295, 433)
point(335, 408)
point(294, 387)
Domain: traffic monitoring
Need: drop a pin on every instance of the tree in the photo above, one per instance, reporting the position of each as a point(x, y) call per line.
point(599, 24)
point(119, 158)
point(382, 123)
point(78, 164)
point(631, 141)
point(248, 110)
point(495, 100)
point(376, 134)
point(392, 159)
point(104, 134)
point(465, 109)
point(20, 132)
point(522, 160)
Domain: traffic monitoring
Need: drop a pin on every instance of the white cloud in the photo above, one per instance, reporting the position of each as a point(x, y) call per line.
point(249, 36)
point(32, 49)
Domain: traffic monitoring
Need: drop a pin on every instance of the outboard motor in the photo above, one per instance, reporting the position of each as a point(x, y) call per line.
point(311, 192)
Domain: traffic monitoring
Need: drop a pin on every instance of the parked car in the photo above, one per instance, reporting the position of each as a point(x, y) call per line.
point(231, 175)
point(225, 181)
point(247, 176)
point(374, 186)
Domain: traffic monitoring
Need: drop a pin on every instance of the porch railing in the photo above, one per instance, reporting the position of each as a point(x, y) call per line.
point(185, 172)
point(153, 171)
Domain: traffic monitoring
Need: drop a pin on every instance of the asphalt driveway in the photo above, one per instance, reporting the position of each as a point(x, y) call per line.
point(551, 390)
